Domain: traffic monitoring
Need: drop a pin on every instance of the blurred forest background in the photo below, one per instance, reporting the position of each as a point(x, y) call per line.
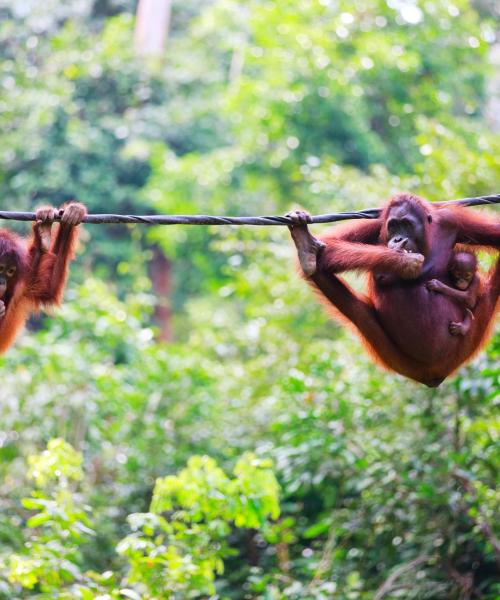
point(191, 424)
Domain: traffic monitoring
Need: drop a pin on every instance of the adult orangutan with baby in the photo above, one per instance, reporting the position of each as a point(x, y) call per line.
point(403, 320)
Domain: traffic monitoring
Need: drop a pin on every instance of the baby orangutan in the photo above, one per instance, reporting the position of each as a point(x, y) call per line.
point(463, 273)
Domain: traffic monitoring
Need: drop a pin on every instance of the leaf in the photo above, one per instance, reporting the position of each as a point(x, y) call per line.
point(316, 529)
point(33, 503)
point(39, 519)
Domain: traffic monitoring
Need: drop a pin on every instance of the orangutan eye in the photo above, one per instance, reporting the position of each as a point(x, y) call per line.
point(2, 268)
point(11, 271)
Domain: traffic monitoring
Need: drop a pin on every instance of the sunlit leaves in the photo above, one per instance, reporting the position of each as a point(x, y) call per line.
point(60, 462)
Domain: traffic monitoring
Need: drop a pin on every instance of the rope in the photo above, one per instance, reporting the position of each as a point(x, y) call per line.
point(370, 213)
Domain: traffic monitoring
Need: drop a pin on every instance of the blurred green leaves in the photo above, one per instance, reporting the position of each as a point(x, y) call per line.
point(174, 556)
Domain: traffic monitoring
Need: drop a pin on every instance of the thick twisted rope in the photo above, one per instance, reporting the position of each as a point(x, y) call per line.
point(370, 213)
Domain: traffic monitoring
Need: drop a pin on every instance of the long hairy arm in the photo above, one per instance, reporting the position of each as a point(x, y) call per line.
point(475, 228)
point(50, 262)
point(356, 247)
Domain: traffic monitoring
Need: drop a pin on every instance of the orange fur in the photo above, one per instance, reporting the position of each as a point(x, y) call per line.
point(40, 279)
point(403, 325)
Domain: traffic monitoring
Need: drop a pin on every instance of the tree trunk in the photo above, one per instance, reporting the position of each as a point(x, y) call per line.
point(161, 278)
point(151, 26)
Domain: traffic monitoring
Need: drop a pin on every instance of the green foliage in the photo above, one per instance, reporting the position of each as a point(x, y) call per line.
point(59, 525)
point(205, 492)
point(174, 556)
point(59, 462)
point(181, 556)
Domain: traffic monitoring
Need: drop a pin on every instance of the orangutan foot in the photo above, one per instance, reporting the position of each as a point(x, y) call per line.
point(307, 245)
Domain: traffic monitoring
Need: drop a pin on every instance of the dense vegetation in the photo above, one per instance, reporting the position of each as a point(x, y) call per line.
point(258, 454)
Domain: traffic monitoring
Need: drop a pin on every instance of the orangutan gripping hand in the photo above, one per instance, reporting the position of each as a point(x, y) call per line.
point(33, 272)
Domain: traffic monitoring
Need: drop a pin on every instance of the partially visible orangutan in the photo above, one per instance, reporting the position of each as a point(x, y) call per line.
point(33, 273)
point(466, 285)
point(404, 325)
